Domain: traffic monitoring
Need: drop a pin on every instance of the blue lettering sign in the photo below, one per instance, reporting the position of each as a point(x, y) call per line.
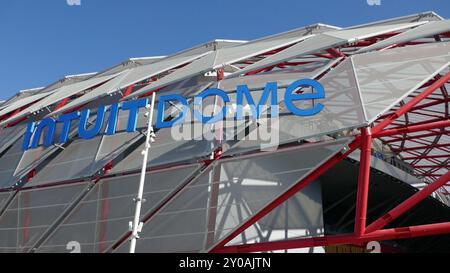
point(34, 133)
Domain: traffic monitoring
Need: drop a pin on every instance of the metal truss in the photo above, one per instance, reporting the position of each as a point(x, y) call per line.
point(397, 129)
point(362, 231)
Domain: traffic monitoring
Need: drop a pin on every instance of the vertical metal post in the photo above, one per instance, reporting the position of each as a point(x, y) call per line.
point(137, 225)
point(363, 182)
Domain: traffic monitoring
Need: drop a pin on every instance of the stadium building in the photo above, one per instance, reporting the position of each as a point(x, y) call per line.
point(368, 172)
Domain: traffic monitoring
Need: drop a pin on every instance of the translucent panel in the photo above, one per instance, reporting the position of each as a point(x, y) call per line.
point(241, 52)
point(313, 44)
point(259, 81)
point(8, 163)
point(343, 110)
point(319, 42)
point(218, 58)
point(72, 163)
point(9, 135)
point(190, 70)
point(8, 228)
point(112, 146)
point(427, 30)
point(387, 77)
point(32, 158)
point(168, 150)
point(226, 195)
point(299, 217)
point(418, 17)
point(23, 102)
point(365, 32)
point(69, 90)
point(4, 196)
point(102, 217)
point(31, 213)
point(83, 158)
point(60, 94)
point(131, 76)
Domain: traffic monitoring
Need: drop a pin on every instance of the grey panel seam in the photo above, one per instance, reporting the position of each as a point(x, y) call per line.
point(358, 89)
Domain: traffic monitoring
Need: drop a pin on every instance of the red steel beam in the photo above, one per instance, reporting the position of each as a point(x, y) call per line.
point(380, 235)
point(422, 147)
point(408, 204)
point(397, 139)
point(431, 166)
point(414, 128)
point(363, 182)
point(425, 157)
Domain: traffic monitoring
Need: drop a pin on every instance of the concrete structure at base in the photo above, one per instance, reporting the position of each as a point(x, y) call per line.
point(371, 166)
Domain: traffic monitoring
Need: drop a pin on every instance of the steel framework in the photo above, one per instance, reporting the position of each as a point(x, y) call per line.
point(363, 233)
point(414, 129)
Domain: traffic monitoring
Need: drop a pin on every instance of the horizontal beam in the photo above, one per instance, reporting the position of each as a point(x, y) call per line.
point(400, 138)
point(422, 147)
point(414, 128)
point(425, 157)
point(380, 235)
point(407, 107)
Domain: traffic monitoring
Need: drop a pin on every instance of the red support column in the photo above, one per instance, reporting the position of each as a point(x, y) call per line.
point(408, 203)
point(363, 182)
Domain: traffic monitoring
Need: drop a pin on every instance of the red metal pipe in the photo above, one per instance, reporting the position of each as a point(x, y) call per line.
point(363, 182)
point(422, 147)
point(129, 90)
point(397, 139)
point(408, 203)
point(425, 157)
point(380, 235)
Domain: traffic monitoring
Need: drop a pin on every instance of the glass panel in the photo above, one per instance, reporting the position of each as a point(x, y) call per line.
point(343, 110)
point(213, 205)
point(386, 77)
point(8, 228)
point(426, 30)
point(299, 217)
point(33, 157)
point(31, 213)
point(9, 162)
point(168, 150)
point(4, 196)
point(103, 215)
point(9, 135)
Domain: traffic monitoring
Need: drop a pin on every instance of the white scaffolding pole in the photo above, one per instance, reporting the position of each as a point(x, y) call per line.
point(137, 225)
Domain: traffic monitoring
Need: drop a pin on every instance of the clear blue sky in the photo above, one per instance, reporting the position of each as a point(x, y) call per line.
point(43, 40)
